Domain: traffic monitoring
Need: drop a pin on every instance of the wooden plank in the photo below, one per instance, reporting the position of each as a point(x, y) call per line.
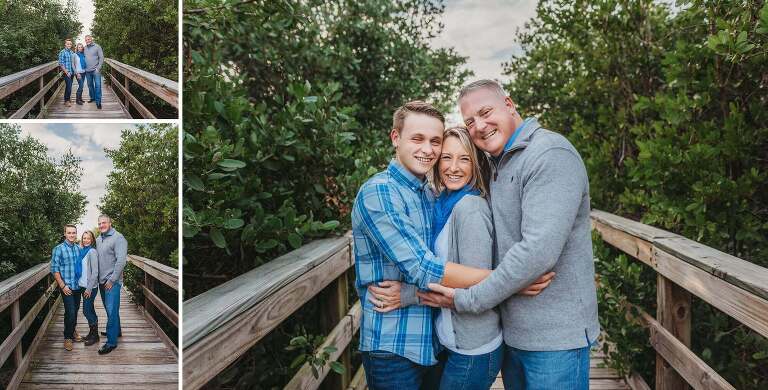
point(15, 320)
point(636, 382)
point(340, 337)
point(210, 355)
point(673, 311)
point(358, 381)
point(749, 309)
point(130, 99)
point(91, 386)
point(22, 112)
point(22, 369)
point(47, 105)
point(165, 274)
point(631, 245)
point(111, 106)
point(106, 369)
point(13, 288)
point(159, 332)
point(736, 271)
point(333, 308)
point(13, 82)
point(697, 373)
point(149, 378)
point(633, 228)
point(206, 312)
point(161, 306)
point(14, 339)
point(161, 87)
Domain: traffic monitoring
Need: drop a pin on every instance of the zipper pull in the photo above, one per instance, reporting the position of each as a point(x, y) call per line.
point(495, 175)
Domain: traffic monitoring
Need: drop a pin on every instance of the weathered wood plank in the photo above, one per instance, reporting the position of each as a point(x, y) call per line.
point(13, 339)
point(13, 288)
point(695, 372)
point(161, 87)
point(674, 314)
point(130, 99)
point(636, 382)
point(161, 306)
point(634, 228)
point(13, 82)
point(165, 274)
point(288, 283)
point(111, 106)
point(24, 109)
point(22, 369)
point(631, 245)
point(91, 386)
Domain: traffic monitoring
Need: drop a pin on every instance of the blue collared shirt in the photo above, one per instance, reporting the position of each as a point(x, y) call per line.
point(63, 260)
point(391, 228)
point(65, 60)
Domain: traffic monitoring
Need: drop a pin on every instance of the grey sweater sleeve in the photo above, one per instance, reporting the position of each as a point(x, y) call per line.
point(93, 268)
point(121, 253)
point(101, 59)
point(473, 233)
point(552, 191)
point(408, 295)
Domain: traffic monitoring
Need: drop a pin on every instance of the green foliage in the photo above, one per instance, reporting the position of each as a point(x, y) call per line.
point(287, 108)
point(38, 196)
point(668, 111)
point(312, 354)
point(32, 32)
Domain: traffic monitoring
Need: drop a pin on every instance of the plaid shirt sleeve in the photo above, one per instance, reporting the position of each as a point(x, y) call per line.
point(382, 211)
point(55, 260)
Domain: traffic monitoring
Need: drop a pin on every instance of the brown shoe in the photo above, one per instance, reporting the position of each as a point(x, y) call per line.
point(78, 338)
point(68, 344)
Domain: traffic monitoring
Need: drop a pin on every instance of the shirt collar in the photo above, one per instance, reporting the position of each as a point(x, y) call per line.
point(69, 245)
point(404, 177)
point(108, 233)
point(518, 130)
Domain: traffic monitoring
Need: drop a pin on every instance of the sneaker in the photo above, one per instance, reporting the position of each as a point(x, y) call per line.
point(67, 103)
point(77, 337)
point(68, 344)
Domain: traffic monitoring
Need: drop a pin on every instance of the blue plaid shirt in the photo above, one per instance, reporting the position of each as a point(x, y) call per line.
point(65, 60)
point(391, 228)
point(63, 261)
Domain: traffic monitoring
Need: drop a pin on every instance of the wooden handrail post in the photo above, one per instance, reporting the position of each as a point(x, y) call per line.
point(126, 102)
point(42, 101)
point(674, 314)
point(150, 284)
point(15, 319)
point(334, 304)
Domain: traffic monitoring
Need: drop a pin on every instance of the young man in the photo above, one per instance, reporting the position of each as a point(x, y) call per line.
point(66, 64)
point(540, 204)
point(113, 254)
point(94, 59)
point(63, 260)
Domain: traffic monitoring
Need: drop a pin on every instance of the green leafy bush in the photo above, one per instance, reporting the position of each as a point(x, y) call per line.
point(668, 110)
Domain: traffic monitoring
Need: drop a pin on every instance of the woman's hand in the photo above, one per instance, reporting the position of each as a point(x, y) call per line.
point(87, 294)
point(386, 296)
point(538, 286)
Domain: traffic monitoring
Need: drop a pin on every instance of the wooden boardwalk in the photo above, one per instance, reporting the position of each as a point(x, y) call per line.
point(111, 107)
point(141, 360)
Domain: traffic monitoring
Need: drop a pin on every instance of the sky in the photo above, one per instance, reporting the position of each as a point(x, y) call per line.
point(87, 142)
point(86, 18)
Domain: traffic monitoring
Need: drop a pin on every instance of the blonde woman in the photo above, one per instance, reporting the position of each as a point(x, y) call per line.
point(89, 279)
point(80, 66)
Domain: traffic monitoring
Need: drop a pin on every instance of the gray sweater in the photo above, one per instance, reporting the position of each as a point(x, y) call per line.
point(540, 205)
point(113, 253)
point(471, 244)
point(94, 58)
point(93, 268)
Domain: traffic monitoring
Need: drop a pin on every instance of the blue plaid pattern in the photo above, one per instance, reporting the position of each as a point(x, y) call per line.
point(391, 228)
point(65, 60)
point(63, 261)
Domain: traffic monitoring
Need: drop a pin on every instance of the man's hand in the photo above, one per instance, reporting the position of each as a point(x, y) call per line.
point(78, 76)
point(87, 293)
point(439, 296)
point(386, 296)
point(108, 285)
point(66, 290)
point(538, 286)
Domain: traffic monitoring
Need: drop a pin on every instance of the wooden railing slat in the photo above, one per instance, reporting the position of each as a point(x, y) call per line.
point(165, 274)
point(165, 89)
point(34, 99)
point(129, 98)
point(22, 369)
point(161, 306)
point(13, 339)
point(13, 288)
point(13, 82)
point(674, 314)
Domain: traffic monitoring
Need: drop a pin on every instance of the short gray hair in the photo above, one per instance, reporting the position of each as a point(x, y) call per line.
point(482, 84)
point(105, 216)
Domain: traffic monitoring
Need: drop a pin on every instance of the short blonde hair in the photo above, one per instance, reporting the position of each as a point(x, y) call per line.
point(476, 156)
point(414, 107)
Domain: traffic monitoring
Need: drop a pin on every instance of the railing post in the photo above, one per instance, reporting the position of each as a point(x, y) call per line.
point(334, 304)
point(126, 102)
point(15, 319)
point(674, 314)
point(42, 100)
point(149, 283)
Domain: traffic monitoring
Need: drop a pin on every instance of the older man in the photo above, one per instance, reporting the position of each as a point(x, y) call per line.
point(113, 252)
point(63, 268)
point(94, 58)
point(540, 204)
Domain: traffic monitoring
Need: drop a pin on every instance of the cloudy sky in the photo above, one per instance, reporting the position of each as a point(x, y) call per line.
point(87, 142)
point(86, 18)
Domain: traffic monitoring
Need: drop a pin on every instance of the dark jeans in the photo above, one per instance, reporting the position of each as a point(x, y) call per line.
point(71, 306)
point(94, 85)
point(387, 371)
point(80, 84)
point(68, 87)
point(544, 370)
point(470, 372)
point(89, 311)
point(111, 300)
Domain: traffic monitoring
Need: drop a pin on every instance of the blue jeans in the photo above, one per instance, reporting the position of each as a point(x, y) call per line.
point(67, 87)
point(544, 370)
point(94, 85)
point(471, 372)
point(71, 306)
point(80, 83)
point(88, 310)
point(386, 371)
point(111, 300)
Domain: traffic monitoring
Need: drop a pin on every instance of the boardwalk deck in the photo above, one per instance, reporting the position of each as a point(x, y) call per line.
point(141, 360)
point(111, 107)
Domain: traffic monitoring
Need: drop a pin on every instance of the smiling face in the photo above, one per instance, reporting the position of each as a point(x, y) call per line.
point(455, 165)
point(104, 224)
point(87, 239)
point(88, 39)
point(70, 234)
point(68, 44)
point(490, 118)
point(417, 144)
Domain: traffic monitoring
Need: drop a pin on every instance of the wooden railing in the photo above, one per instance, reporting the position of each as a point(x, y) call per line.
point(165, 89)
point(685, 268)
point(224, 322)
point(156, 272)
point(11, 292)
point(14, 82)
point(161, 87)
